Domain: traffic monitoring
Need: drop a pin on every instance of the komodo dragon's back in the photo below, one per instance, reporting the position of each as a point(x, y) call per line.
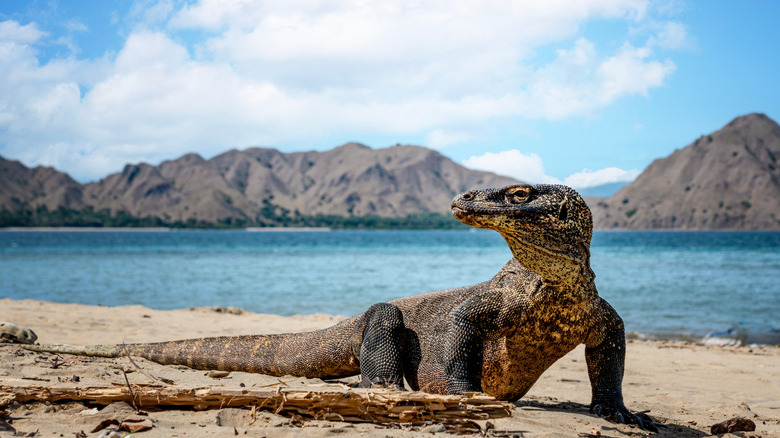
point(498, 336)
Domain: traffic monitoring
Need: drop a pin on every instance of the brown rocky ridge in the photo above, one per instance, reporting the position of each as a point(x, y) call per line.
point(727, 180)
point(256, 185)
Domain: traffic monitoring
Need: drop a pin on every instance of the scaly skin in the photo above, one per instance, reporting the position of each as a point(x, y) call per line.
point(497, 337)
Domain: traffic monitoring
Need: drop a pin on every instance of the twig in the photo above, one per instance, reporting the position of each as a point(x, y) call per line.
point(274, 384)
point(130, 388)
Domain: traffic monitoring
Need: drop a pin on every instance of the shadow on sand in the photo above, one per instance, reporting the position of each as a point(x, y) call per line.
point(666, 427)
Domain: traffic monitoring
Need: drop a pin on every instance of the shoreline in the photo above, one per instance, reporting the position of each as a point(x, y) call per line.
point(735, 337)
point(686, 387)
point(324, 229)
point(84, 229)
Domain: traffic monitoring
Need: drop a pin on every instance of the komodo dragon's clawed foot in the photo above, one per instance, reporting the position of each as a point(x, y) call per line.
point(620, 414)
point(13, 333)
point(379, 382)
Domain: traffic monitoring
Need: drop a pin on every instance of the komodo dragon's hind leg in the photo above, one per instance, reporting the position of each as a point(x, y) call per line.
point(379, 345)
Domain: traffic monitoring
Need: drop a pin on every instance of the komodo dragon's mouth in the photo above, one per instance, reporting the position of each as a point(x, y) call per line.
point(459, 210)
point(459, 206)
point(475, 215)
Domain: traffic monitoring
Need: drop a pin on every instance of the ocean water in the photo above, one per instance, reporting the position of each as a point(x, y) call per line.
point(661, 283)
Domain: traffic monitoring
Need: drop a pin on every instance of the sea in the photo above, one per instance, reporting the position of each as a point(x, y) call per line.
point(664, 284)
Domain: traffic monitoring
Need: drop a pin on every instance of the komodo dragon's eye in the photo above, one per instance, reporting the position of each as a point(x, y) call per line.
point(517, 195)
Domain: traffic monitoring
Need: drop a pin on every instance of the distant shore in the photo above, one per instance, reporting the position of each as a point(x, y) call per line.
point(266, 229)
point(88, 229)
point(153, 229)
point(323, 229)
point(686, 387)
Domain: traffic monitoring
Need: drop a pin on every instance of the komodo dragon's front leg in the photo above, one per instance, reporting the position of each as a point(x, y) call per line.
point(485, 317)
point(606, 362)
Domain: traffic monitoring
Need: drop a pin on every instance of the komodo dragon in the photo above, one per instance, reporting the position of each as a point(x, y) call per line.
point(497, 337)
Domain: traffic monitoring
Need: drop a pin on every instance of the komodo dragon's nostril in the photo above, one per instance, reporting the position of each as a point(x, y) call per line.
point(468, 196)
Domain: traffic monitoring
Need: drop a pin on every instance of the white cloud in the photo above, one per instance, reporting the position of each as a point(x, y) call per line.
point(74, 25)
point(578, 81)
point(668, 35)
point(673, 35)
point(627, 72)
point(150, 13)
point(524, 167)
point(589, 178)
point(450, 49)
point(294, 72)
point(11, 30)
point(529, 168)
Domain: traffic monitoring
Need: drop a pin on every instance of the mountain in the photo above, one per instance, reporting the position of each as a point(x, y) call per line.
point(259, 186)
point(40, 186)
point(728, 180)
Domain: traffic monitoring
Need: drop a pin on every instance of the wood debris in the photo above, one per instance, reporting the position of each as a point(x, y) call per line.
point(330, 402)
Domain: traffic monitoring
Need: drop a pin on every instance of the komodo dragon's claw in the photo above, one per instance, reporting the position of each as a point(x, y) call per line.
point(620, 414)
point(10, 332)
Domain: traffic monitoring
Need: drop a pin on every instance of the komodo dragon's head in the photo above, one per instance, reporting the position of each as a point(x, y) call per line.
point(548, 227)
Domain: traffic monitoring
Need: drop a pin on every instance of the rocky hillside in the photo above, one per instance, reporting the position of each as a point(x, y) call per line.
point(257, 185)
point(41, 186)
point(728, 180)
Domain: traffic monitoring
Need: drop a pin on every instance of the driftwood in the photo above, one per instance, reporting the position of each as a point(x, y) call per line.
point(331, 402)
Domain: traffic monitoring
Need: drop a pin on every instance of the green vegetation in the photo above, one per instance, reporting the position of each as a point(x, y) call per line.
point(269, 216)
point(275, 216)
point(65, 217)
point(412, 221)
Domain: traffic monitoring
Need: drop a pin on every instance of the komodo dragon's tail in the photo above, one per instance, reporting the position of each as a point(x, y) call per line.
point(322, 353)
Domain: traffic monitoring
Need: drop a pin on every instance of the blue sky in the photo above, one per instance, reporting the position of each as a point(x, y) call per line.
point(582, 92)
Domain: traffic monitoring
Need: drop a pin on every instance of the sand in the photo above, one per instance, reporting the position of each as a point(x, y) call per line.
point(685, 387)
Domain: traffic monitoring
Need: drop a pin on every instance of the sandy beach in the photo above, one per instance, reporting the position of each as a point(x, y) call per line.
point(685, 387)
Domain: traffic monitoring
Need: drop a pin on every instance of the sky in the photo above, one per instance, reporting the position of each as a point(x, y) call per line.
point(585, 93)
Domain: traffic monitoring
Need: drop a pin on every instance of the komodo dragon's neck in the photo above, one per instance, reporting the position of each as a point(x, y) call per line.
point(557, 272)
point(548, 229)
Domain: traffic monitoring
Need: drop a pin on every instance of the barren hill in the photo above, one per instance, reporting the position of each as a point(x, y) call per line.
point(257, 186)
point(40, 186)
point(728, 180)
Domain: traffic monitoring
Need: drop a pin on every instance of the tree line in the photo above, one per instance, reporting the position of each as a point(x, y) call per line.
point(269, 216)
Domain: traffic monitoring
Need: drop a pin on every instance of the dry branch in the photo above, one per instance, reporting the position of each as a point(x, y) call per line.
point(315, 402)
